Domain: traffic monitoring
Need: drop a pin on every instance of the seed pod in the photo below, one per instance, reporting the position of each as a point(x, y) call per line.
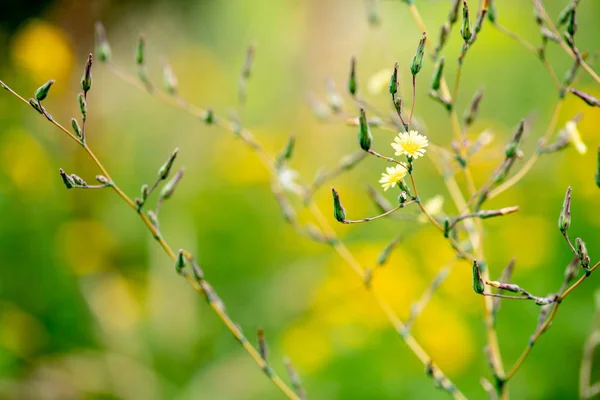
point(417, 61)
point(339, 212)
point(564, 219)
point(41, 92)
point(86, 79)
point(365, 138)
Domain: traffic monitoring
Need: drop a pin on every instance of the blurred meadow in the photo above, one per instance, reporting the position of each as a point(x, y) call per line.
point(90, 306)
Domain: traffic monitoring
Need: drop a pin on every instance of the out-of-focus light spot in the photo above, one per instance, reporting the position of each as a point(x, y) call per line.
point(42, 50)
point(114, 303)
point(25, 162)
point(307, 345)
point(20, 332)
point(86, 245)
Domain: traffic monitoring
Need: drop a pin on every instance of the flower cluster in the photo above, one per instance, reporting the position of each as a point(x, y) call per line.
point(412, 144)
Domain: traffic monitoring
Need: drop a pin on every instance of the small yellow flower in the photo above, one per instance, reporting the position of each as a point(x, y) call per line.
point(392, 175)
point(575, 137)
point(410, 143)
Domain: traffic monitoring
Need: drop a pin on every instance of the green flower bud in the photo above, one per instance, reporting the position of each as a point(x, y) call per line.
point(478, 285)
point(571, 23)
point(41, 92)
point(86, 79)
point(67, 180)
point(352, 85)
point(76, 128)
point(453, 15)
point(393, 87)
point(465, 31)
point(139, 50)
point(82, 104)
point(437, 75)
point(365, 138)
point(208, 116)
point(33, 103)
point(169, 188)
point(492, 12)
point(180, 262)
point(165, 169)
point(513, 146)
point(564, 219)
point(417, 61)
point(339, 213)
point(582, 253)
point(102, 46)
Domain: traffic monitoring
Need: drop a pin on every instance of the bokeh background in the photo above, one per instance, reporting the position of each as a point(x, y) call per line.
point(90, 306)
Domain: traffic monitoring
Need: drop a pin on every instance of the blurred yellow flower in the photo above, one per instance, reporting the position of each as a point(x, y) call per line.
point(575, 137)
point(410, 143)
point(392, 176)
point(43, 50)
point(433, 206)
point(379, 81)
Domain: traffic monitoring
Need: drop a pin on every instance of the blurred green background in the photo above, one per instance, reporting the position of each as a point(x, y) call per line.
point(90, 306)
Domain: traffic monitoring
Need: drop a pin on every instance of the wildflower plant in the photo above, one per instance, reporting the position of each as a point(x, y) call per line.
point(401, 160)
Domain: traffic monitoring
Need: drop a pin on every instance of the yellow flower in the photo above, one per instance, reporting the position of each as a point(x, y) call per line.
point(392, 176)
point(410, 143)
point(575, 137)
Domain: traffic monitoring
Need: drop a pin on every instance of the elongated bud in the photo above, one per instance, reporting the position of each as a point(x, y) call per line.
point(42, 92)
point(510, 287)
point(165, 169)
point(180, 261)
point(598, 169)
point(82, 104)
point(465, 31)
point(102, 46)
point(590, 100)
point(453, 15)
point(385, 253)
point(198, 272)
point(365, 138)
point(33, 103)
point(352, 85)
point(582, 253)
point(478, 285)
point(417, 61)
point(571, 23)
point(339, 213)
point(169, 188)
point(294, 378)
point(437, 75)
point(86, 79)
point(145, 191)
point(513, 146)
point(492, 13)
point(169, 78)
point(497, 213)
point(153, 218)
point(102, 179)
point(393, 87)
point(78, 180)
point(473, 110)
point(444, 32)
point(287, 152)
point(262, 344)
point(67, 180)
point(398, 105)
point(572, 270)
point(140, 50)
point(564, 219)
point(76, 128)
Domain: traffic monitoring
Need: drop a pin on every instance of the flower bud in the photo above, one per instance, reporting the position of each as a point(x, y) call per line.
point(169, 78)
point(102, 46)
point(67, 180)
point(339, 212)
point(169, 188)
point(82, 104)
point(139, 50)
point(102, 179)
point(365, 138)
point(180, 262)
point(33, 103)
point(165, 169)
point(208, 116)
point(492, 12)
point(453, 15)
point(444, 32)
point(582, 253)
point(393, 87)
point(564, 219)
point(590, 100)
point(437, 75)
point(472, 113)
point(417, 61)
point(478, 285)
point(352, 85)
point(76, 128)
point(571, 23)
point(465, 31)
point(41, 92)
point(513, 146)
point(86, 79)
point(598, 169)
